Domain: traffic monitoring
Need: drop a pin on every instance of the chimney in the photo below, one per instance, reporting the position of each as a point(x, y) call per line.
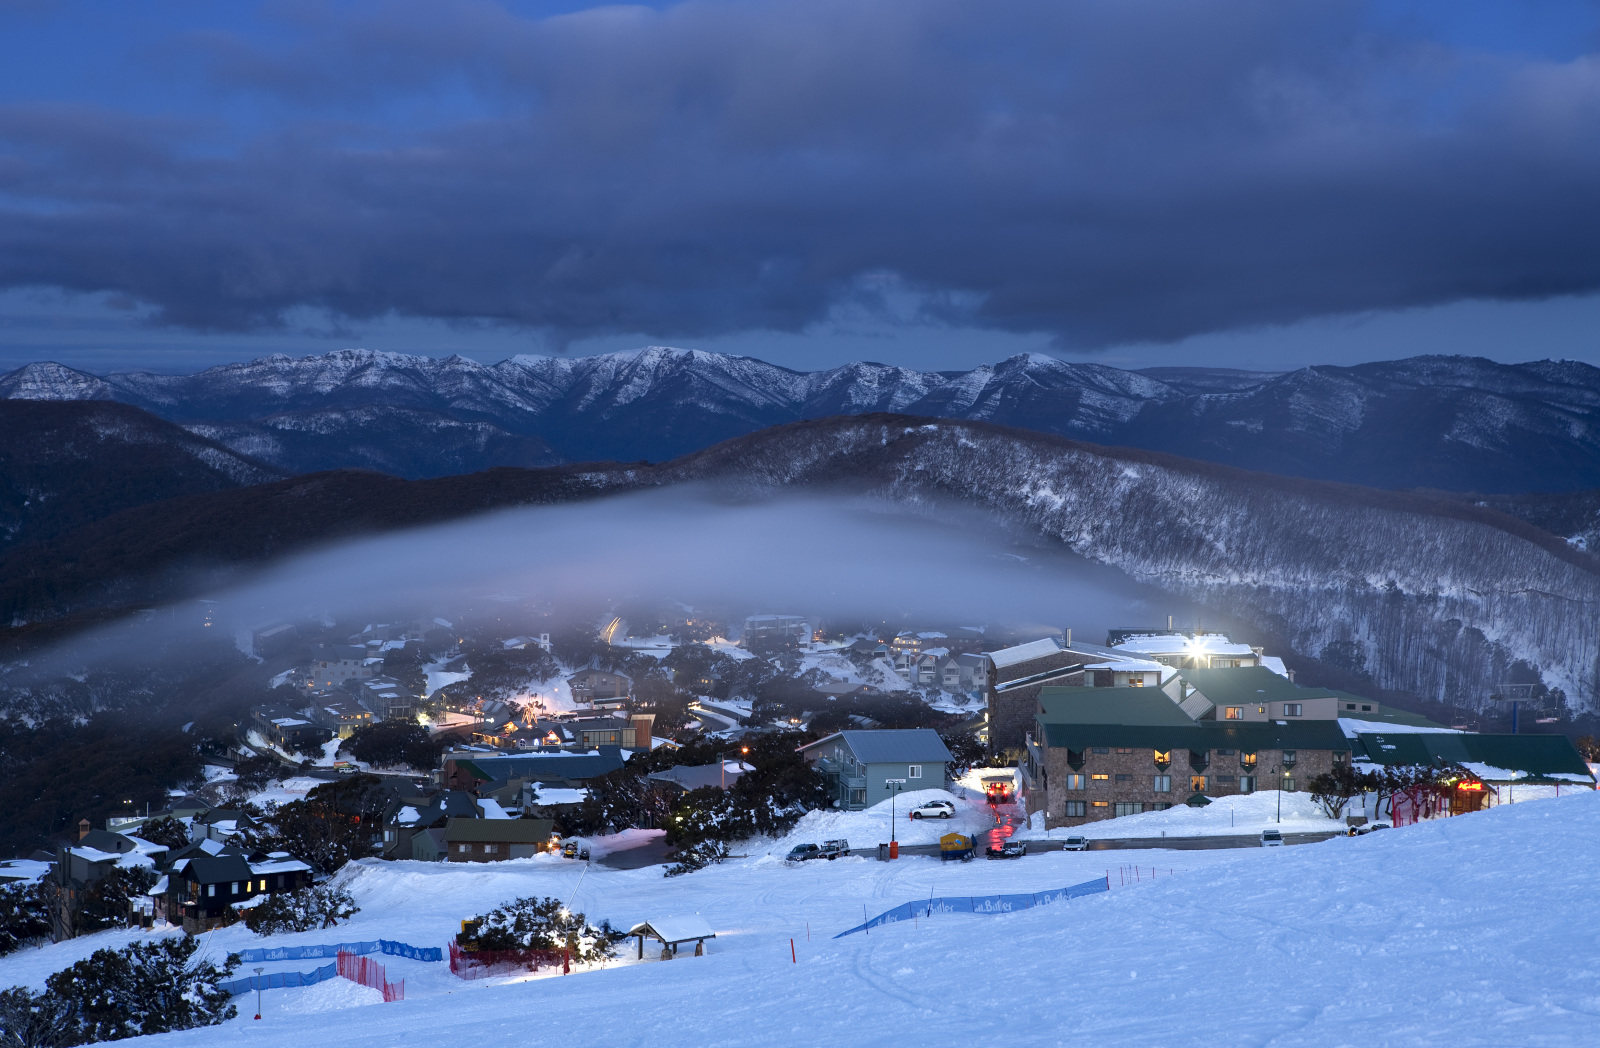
point(1169, 623)
point(83, 828)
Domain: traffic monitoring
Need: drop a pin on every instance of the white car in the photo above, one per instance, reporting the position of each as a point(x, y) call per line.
point(1271, 839)
point(1076, 842)
point(934, 810)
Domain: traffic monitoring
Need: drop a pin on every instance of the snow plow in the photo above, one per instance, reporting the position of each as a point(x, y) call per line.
point(997, 788)
point(956, 846)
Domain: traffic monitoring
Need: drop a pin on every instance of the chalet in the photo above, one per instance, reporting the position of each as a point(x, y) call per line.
point(274, 639)
point(681, 779)
point(1100, 753)
point(220, 824)
point(409, 816)
point(342, 717)
point(493, 840)
point(333, 665)
point(208, 890)
point(767, 633)
point(603, 686)
point(83, 864)
point(858, 764)
point(1489, 767)
point(632, 732)
point(384, 697)
point(502, 777)
point(287, 729)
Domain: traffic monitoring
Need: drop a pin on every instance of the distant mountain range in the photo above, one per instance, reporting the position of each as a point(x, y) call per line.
point(1428, 594)
point(1449, 423)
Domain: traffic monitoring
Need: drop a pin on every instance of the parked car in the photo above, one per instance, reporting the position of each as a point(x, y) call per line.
point(575, 850)
point(934, 810)
point(802, 852)
point(1007, 850)
point(1076, 842)
point(834, 849)
point(1271, 839)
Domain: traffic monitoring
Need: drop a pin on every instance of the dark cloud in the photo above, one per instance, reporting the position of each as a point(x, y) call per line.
point(1104, 171)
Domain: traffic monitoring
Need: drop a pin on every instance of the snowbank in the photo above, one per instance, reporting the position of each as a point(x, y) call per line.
point(867, 829)
point(1224, 816)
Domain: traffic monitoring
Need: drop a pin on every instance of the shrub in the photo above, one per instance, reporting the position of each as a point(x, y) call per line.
point(166, 831)
point(24, 916)
point(392, 743)
point(305, 910)
point(144, 988)
point(42, 1020)
point(540, 924)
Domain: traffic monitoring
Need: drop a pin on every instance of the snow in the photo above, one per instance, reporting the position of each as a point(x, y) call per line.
point(1223, 817)
point(1451, 932)
point(1275, 664)
point(556, 795)
point(439, 677)
point(1353, 727)
point(290, 789)
point(869, 828)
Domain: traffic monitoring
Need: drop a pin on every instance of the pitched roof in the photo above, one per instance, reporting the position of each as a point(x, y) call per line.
point(1150, 707)
point(1494, 758)
point(1036, 649)
point(892, 745)
point(1076, 718)
point(1247, 684)
point(544, 768)
point(214, 869)
point(498, 831)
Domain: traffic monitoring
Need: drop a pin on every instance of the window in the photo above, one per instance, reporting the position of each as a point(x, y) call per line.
point(1102, 804)
point(461, 849)
point(1338, 757)
point(1121, 749)
point(1233, 713)
point(1247, 760)
point(1136, 682)
point(1349, 705)
point(1074, 782)
point(1124, 778)
point(1163, 756)
point(1366, 709)
point(1160, 805)
point(1099, 780)
point(1102, 749)
point(211, 889)
point(233, 887)
point(1288, 784)
point(1224, 753)
point(1261, 709)
point(1247, 784)
point(490, 849)
point(913, 771)
point(1127, 808)
point(1163, 784)
point(858, 797)
point(1224, 778)
point(1074, 810)
point(1197, 783)
point(1289, 758)
point(1291, 709)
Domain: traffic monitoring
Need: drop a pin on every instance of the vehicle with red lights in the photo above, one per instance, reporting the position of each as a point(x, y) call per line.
point(1007, 850)
point(997, 788)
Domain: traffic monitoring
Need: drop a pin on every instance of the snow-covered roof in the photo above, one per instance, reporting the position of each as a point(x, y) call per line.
point(492, 810)
point(1023, 652)
point(1275, 664)
point(407, 816)
point(261, 869)
point(675, 929)
point(1165, 644)
point(1128, 666)
point(1353, 727)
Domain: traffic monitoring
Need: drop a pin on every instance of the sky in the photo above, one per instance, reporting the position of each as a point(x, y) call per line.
point(938, 183)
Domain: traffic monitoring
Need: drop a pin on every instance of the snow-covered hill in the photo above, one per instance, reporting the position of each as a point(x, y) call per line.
point(1451, 423)
point(1459, 932)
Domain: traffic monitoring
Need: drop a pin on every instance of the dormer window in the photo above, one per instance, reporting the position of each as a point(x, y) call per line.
point(1163, 757)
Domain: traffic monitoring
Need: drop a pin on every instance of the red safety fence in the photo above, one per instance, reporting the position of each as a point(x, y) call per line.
point(368, 972)
point(480, 964)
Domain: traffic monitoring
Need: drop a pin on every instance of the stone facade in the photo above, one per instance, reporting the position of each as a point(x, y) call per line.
point(1011, 710)
point(1105, 777)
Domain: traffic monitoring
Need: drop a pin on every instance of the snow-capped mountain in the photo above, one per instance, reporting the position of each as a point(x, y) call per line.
point(1450, 423)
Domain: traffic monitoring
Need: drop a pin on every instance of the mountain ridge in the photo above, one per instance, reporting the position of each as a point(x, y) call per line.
point(1450, 423)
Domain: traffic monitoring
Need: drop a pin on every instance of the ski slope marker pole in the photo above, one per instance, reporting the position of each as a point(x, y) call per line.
point(792, 958)
point(866, 922)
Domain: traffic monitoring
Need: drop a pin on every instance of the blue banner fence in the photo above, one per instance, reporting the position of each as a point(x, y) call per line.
point(299, 953)
point(327, 971)
point(979, 904)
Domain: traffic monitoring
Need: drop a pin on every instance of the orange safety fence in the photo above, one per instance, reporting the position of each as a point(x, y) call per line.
point(368, 972)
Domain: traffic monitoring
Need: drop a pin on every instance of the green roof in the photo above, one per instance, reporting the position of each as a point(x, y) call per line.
point(1381, 713)
point(1247, 684)
point(1495, 758)
point(1078, 718)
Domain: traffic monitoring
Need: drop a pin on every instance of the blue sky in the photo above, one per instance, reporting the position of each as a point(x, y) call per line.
point(935, 183)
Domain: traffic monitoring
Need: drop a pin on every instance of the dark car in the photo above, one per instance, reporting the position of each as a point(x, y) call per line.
point(802, 852)
point(1007, 850)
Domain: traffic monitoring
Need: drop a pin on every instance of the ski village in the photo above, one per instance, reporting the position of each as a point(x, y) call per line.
point(444, 830)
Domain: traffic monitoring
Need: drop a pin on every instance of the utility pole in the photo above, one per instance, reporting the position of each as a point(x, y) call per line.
point(1280, 791)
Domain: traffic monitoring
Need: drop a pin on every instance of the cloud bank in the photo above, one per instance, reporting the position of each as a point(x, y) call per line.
point(1103, 171)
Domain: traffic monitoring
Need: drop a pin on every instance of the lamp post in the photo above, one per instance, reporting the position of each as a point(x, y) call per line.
point(1282, 782)
point(893, 786)
point(258, 993)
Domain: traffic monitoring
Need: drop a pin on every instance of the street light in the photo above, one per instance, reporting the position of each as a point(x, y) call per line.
point(258, 993)
point(893, 786)
point(1282, 784)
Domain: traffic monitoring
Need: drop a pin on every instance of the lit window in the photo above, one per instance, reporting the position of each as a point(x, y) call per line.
point(1163, 756)
point(1074, 782)
point(1233, 713)
point(1099, 778)
point(1247, 759)
point(1102, 804)
point(1197, 783)
point(1121, 749)
point(211, 889)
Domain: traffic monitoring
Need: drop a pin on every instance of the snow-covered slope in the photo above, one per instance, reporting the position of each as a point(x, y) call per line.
point(1452, 423)
point(1459, 932)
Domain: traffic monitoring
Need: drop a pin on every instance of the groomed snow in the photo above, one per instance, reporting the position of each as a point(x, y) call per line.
point(1462, 932)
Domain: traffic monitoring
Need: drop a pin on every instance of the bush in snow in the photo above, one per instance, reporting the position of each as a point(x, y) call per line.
point(393, 743)
point(1332, 790)
point(697, 857)
point(540, 924)
point(165, 831)
point(36, 1020)
point(147, 987)
point(322, 906)
point(333, 825)
point(24, 916)
point(104, 903)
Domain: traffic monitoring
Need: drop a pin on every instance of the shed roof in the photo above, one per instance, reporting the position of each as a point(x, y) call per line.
point(1247, 684)
point(687, 928)
point(1036, 649)
point(892, 745)
point(1141, 706)
point(1494, 758)
point(498, 831)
